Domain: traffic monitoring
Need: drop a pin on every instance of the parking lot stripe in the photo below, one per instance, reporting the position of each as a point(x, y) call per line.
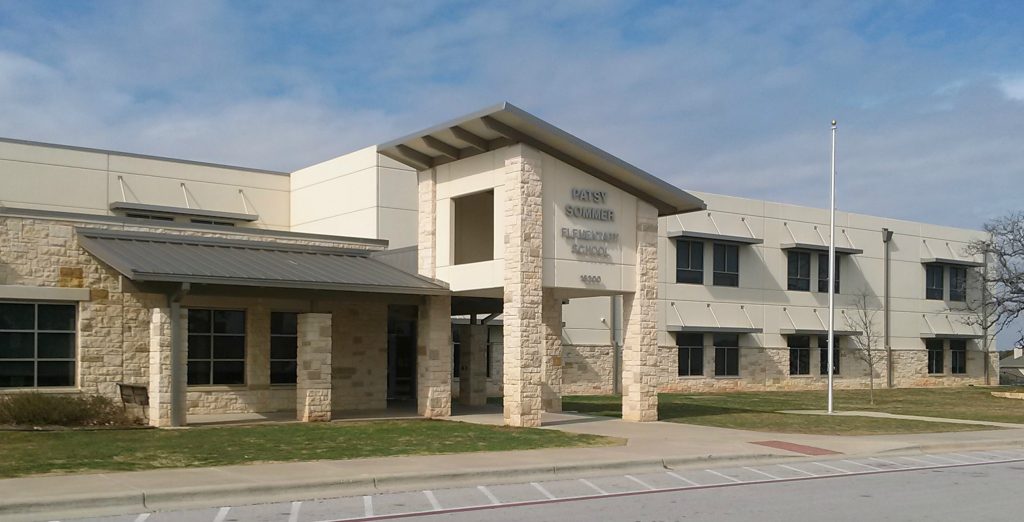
point(222, 514)
point(919, 461)
point(367, 505)
point(543, 491)
point(759, 472)
point(642, 483)
point(432, 499)
point(947, 459)
point(727, 477)
point(826, 466)
point(798, 470)
point(593, 486)
point(889, 462)
point(142, 517)
point(490, 496)
point(862, 464)
point(972, 457)
point(682, 478)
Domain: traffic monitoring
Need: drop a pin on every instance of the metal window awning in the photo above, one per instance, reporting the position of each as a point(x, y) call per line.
point(689, 234)
point(808, 321)
point(943, 326)
point(159, 257)
point(816, 247)
point(126, 206)
point(505, 124)
point(970, 263)
point(698, 317)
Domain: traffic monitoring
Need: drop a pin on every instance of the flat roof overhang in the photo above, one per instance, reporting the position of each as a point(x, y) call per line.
point(940, 335)
point(815, 247)
point(505, 124)
point(746, 240)
point(951, 261)
point(125, 206)
point(715, 329)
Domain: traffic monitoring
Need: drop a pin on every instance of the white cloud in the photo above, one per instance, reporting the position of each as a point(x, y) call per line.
point(1013, 87)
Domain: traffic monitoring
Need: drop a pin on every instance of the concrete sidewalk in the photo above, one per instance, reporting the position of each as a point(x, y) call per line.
point(649, 446)
point(883, 415)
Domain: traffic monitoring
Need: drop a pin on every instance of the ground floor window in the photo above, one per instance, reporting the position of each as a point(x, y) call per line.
point(727, 355)
point(37, 345)
point(958, 356)
point(823, 352)
point(216, 347)
point(456, 352)
point(284, 347)
point(691, 354)
point(799, 354)
point(935, 362)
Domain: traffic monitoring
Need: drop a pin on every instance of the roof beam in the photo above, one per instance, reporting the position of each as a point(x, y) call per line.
point(442, 147)
point(423, 161)
point(520, 137)
point(472, 139)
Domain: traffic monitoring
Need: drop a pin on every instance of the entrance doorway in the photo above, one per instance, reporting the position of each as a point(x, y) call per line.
point(401, 353)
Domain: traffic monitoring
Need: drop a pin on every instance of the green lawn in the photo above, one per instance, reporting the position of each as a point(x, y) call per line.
point(758, 410)
point(26, 453)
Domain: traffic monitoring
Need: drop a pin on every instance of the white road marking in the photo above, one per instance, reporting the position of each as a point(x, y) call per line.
point(897, 464)
point(367, 505)
point(826, 466)
point(222, 514)
point(798, 470)
point(543, 491)
point(432, 499)
point(142, 517)
point(593, 486)
point(293, 515)
point(861, 464)
point(642, 483)
point(490, 496)
point(759, 472)
point(919, 461)
point(682, 478)
point(727, 477)
point(972, 457)
point(1004, 454)
point(955, 461)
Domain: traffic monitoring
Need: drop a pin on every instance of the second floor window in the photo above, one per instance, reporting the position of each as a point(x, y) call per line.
point(957, 283)
point(727, 265)
point(799, 271)
point(690, 262)
point(933, 282)
point(823, 273)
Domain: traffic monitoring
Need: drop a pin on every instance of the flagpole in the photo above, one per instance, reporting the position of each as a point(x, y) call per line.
point(832, 271)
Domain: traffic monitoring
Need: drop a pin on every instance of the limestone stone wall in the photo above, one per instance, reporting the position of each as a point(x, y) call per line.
point(360, 375)
point(587, 370)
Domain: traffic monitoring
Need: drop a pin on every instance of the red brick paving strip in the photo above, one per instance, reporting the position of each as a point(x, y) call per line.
point(796, 448)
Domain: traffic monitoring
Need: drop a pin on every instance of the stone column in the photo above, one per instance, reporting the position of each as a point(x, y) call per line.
point(551, 312)
point(472, 364)
point(161, 372)
point(434, 357)
point(639, 312)
point(524, 339)
point(313, 382)
point(427, 223)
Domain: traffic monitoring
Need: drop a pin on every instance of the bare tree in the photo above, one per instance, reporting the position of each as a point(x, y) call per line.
point(1001, 301)
point(868, 345)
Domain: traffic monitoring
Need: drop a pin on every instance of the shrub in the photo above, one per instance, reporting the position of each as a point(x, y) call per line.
point(38, 409)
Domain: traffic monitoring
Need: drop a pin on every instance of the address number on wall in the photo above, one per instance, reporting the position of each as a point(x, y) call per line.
point(590, 279)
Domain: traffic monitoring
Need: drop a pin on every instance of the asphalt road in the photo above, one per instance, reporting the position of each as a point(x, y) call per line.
point(975, 485)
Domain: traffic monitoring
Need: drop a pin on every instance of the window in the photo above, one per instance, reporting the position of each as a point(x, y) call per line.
point(212, 222)
point(823, 353)
point(933, 282)
point(727, 355)
point(690, 262)
point(153, 217)
point(216, 347)
point(727, 265)
point(958, 356)
point(691, 354)
point(473, 228)
point(37, 345)
point(935, 363)
point(823, 273)
point(456, 352)
point(957, 283)
point(799, 354)
point(799, 271)
point(284, 347)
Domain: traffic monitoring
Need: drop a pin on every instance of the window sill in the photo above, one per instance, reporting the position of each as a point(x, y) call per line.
point(218, 388)
point(801, 376)
point(726, 377)
point(283, 386)
point(690, 377)
point(937, 375)
point(62, 390)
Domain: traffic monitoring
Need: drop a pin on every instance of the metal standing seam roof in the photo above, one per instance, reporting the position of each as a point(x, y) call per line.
point(153, 257)
point(504, 124)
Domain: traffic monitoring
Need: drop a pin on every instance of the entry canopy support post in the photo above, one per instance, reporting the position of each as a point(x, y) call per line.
point(434, 357)
point(551, 361)
point(313, 378)
point(639, 312)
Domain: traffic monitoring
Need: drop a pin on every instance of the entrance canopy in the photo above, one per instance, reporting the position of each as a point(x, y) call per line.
point(155, 257)
point(505, 124)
